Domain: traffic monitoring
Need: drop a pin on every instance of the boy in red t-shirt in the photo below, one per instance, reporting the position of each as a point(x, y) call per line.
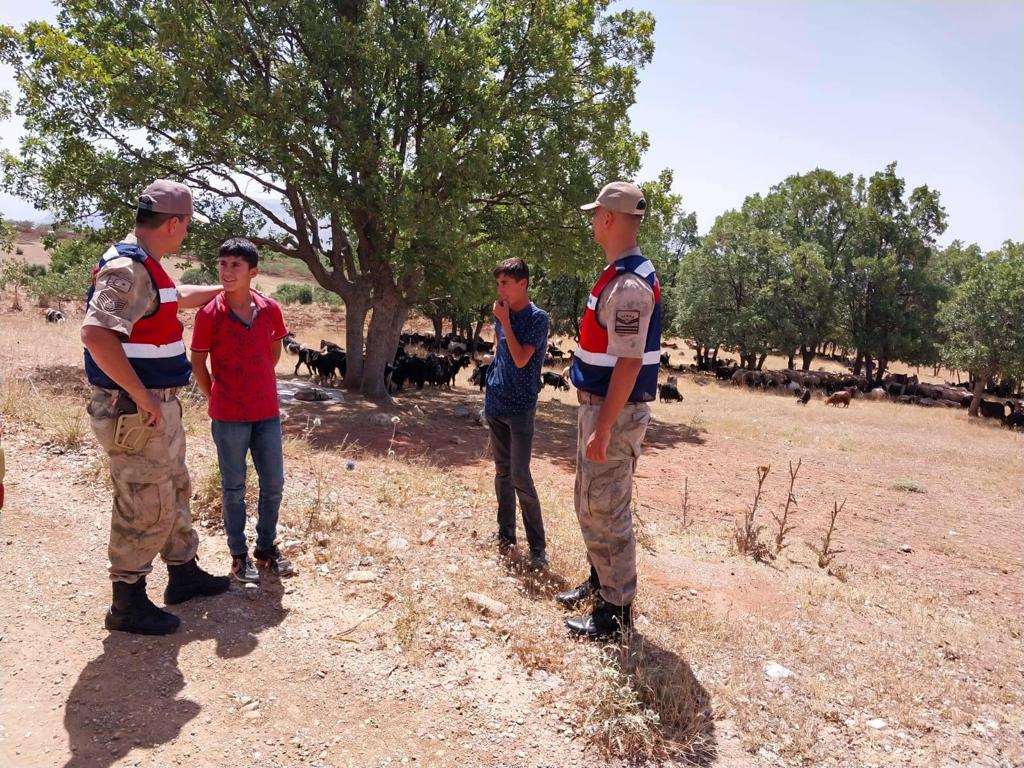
point(241, 331)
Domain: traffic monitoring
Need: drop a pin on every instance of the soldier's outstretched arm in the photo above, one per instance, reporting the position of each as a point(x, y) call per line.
point(192, 296)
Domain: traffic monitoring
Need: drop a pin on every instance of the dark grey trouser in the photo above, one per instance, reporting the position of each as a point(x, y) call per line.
point(512, 445)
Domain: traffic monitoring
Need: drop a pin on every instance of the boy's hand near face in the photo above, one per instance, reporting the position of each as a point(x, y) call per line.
point(501, 312)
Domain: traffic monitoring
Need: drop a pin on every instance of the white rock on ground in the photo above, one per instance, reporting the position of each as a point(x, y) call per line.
point(775, 671)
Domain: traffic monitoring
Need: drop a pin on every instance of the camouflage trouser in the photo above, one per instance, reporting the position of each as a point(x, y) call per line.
point(603, 499)
point(151, 513)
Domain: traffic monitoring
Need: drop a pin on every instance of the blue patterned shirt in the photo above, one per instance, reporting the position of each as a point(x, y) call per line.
point(510, 390)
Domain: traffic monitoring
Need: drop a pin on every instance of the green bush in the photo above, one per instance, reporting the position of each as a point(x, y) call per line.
point(293, 293)
point(198, 276)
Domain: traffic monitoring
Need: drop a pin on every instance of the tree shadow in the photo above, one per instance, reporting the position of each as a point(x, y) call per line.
point(127, 697)
point(666, 683)
point(441, 426)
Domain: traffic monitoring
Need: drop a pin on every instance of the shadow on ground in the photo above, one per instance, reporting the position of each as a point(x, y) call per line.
point(441, 426)
point(127, 697)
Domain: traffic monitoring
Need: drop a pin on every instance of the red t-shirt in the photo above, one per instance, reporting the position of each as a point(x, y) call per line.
point(244, 383)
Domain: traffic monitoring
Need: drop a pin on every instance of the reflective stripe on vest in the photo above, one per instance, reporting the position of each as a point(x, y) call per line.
point(155, 347)
point(592, 365)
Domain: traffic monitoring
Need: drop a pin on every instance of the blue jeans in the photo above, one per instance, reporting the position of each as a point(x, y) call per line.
point(234, 439)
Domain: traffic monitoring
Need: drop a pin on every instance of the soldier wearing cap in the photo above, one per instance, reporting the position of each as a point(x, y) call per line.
point(135, 360)
point(615, 372)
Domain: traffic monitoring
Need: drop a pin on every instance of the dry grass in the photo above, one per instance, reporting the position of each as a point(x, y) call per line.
point(902, 638)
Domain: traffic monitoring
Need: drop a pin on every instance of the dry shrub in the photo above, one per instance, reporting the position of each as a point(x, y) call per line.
point(748, 536)
point(616, 719)
point(827, 553)
point(646, 704)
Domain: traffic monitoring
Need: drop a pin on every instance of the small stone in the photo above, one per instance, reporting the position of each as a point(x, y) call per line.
point(398, 544)
point(380, 419)
point(361, 577)
point(322, 539)
point(461, 411)
point(427, 537)
point(774, 671)
point(486, 605)
point(877, 723)
point(905, 549)
point(251, 715)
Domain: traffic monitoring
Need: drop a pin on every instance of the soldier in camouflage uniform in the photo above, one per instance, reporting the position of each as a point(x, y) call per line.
point(135, 360)
point(615, 371)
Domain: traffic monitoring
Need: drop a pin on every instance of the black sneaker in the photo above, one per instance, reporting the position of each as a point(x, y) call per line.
point(539, 561)
point(271, 558)
point(243, 570)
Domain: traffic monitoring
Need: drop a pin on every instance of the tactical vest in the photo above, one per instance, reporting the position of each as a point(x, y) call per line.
point(155, 347)
point(592, 365)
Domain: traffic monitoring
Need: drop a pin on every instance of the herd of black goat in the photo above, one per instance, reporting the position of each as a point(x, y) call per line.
point(424, 360)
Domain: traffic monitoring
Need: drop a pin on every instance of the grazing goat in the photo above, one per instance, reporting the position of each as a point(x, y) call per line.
point(994, 410)
point(306, 355)
point(330, 346)
point(842, 397)
point(669, 391)
point(548, 379)
point(55, 316)
point(479, 376)
point(805, 397)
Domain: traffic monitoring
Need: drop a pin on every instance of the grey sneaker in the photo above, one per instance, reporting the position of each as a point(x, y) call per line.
point(271, 558)
point(243, 570)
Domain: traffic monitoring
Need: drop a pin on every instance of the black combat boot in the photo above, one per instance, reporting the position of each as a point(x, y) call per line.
point(606, 622)
point(133, 611)
point(189, 580)
point(582, 593)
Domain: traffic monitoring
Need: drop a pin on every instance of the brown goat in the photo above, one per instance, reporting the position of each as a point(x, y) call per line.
point(841, 397)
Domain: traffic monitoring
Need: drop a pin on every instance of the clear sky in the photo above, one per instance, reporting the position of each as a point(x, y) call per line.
point(742, 94)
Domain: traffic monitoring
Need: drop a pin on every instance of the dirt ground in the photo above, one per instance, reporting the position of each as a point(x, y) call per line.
point(905, 651)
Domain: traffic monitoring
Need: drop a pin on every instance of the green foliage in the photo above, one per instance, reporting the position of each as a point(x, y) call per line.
point(294, 293)
point(7, 234)
point(983, 320)
point(15, 274)
point(303, 293)
point(383, 144)
point(71, 264)
point(198, 276)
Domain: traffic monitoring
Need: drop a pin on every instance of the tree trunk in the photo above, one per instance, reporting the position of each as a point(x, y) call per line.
point(386, 321)
point(883, 363)
point(868, 366)
point(760, 361)
point(979, 392)
point(858, 363)
point(355, 319)
point(438, 321)
point(807, 355)
point(791, 362)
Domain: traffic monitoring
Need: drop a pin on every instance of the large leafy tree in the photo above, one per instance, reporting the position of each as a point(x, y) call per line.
point(983, 320)
point(381, 142)
point(889, 295)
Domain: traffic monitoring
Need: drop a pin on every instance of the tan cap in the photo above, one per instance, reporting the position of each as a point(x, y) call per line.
point(164, 196)
point(621, 197)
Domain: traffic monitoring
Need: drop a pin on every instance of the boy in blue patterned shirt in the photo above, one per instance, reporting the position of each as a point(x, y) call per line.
point(513, 381)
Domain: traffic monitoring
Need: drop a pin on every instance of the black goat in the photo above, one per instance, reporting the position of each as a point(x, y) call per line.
point(669, 392)
point(549, 379)
point(479, 376)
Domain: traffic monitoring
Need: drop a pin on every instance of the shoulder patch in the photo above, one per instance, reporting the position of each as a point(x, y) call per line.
point(627, 322)
point(109, 301)
point(120, 283)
